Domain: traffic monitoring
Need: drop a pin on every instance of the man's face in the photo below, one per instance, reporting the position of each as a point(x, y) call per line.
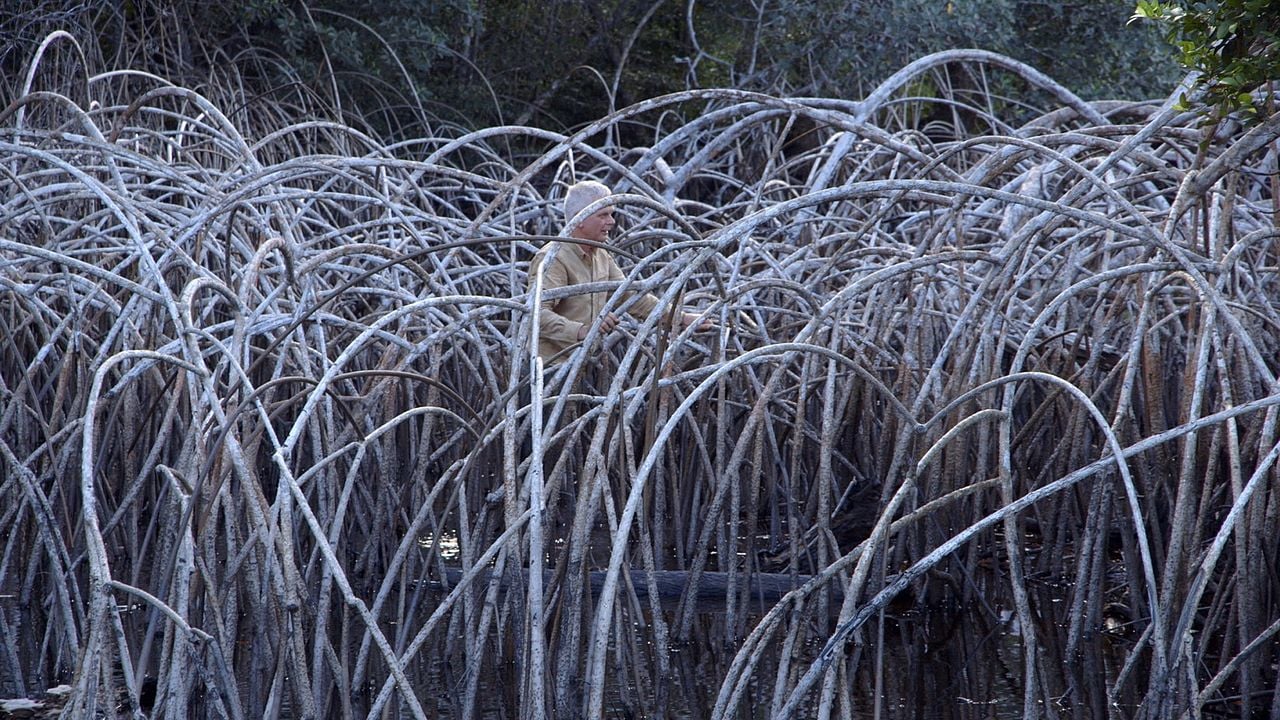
point(596, 226)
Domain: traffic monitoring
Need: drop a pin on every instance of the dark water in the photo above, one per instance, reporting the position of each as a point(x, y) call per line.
point(947, 662)
point(926, 658)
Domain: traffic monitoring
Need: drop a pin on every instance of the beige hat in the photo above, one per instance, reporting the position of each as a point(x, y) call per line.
point(582, 194)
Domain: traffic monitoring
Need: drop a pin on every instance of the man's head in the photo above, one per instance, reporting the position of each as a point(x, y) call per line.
point(597, 225)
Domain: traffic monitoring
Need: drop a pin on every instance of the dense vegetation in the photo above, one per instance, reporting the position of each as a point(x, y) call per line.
point(383, 64)
point(992, 396)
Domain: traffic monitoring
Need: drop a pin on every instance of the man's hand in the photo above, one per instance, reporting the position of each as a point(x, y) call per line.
point(607, 323)
point(703, 325)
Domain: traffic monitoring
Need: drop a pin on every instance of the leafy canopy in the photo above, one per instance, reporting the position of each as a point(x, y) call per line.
point(1234, 44)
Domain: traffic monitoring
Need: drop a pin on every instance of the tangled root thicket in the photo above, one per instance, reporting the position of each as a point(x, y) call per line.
point(266, 432)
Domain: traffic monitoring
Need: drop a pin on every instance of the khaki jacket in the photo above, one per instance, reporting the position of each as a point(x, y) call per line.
point(560, 319)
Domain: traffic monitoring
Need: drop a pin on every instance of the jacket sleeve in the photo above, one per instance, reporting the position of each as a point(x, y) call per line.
point(643, 305)
point(551, 324)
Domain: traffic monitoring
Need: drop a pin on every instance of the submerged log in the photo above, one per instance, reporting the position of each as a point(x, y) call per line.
point(711, 589)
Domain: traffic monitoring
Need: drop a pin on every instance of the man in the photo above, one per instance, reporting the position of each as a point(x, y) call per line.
point(564, 322)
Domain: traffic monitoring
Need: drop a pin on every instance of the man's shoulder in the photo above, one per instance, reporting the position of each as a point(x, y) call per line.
point(549, 246)
point(560, 256)
point(563, 251)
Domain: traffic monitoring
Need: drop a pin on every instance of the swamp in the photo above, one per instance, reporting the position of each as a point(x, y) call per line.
point(982, 423)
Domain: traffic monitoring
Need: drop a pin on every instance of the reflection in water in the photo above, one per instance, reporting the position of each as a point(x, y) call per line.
point(446, 546)
point(928, 658)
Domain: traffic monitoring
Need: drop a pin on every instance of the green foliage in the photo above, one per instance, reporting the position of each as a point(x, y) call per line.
point(379, 53)
point(476, 62)
point(833, 47)
point(1234, 44)
point(1087, 45)
point(553, 63)
point(390, 64)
